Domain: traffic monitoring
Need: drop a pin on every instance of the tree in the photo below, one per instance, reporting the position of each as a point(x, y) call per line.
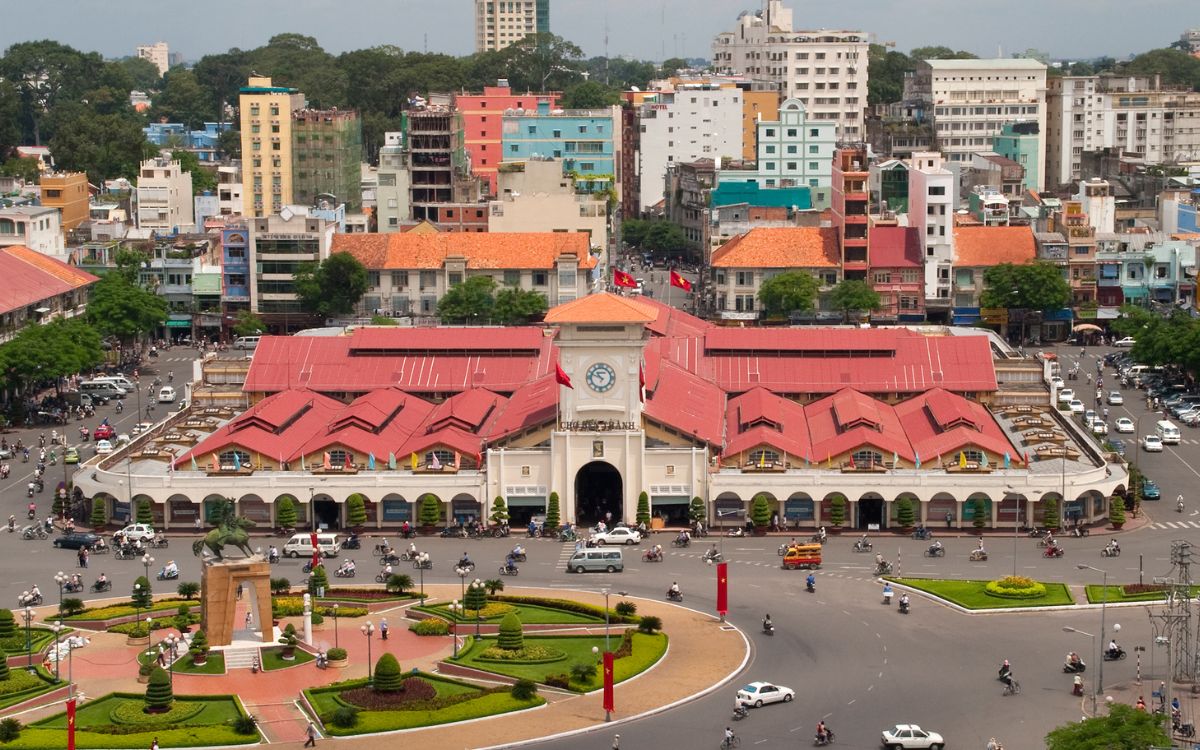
point(672, 65)
point(99, 513)
point(383, 320)
point(1032, 286)
point(199, 647)
point(854, 295)
point(476, 598)
point(837, 510)
point(26, 169)
point(188, 589)
point(289, 639)
point(159, 696)
point(589, 95)
point(387, 677)
point(1176, 67)
point(43, 73)
point(499, 511)
point(248, 324)
point(143, 74)
point(53, 351)
point(285, 512)
point(105, 146)
point(788, 292)
point(493, 585)
point(318, 581)
point(514, 306)
point(142, 596)
point(1116, 513)
point(697, 510)
point(904, 513)
point(469, 301)
point(1050, 514)
point(229, 143)
point(183, 100)
point(398, 583)
point(665, 238)
point(332, 287)
point(145, 514)
point(430, 513)
point(541, 62)
point(183, 618)
point(979, 507)
point(582, 672)
point(552, 514)
point(202, 179)
point(511, 636)
point(643, 508)
point(356, 510)
point(885, 74)
point(1124, 728)
point(122, 309)
point(940, 53)
point(760, 511)
point(633, 231)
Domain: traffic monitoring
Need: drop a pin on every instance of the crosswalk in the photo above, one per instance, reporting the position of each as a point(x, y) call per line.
point(1176, 525)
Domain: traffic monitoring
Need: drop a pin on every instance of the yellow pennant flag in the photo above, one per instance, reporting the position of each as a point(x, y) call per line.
point(414, 461)
point(962, 459)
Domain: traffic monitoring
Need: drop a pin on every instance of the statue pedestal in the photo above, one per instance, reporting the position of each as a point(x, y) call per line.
point(219, 581)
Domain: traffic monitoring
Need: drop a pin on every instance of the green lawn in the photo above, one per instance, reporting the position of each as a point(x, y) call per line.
point(97, 730)
point(530, 614)
point(39, 638)
point(272, 658)
point(214, 665)
point(325, 700)
point(971, 594)
point(124, 610)
point(1116, 594)
point(647, 650)
point(22, 685)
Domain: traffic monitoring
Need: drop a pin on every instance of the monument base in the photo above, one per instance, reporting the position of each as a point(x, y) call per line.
point(219, 581)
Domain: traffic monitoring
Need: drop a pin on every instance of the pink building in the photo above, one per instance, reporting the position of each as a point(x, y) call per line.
point(482, 122)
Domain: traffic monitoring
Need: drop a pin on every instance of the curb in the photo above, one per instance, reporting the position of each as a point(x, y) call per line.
point(1005, 610)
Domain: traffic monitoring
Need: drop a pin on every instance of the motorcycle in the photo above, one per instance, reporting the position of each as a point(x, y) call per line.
point(168, 575)
point(1080, 531)
point(810, 586)
point(519, 556)
point(1117, 655)
point(422, 564)
point(344, 572)
point(769, 628)
point(33, 600)
point(817, 539)
point(72, 587)
point(4, 471)
point(674, 596)
point(156, 543)
point(390, 559)
point(453, 532)
point(1074, 667)
point(1110, 552)
point(903, 606)
point(862, 545)
point(740, 712)
point(681, 543)
point(383, 576)
point(922, 534)
point(100, 586)
point(1004, 671)
point(978, 555)
point(935, 552)
point(883, 569)
point(509, 570)
point(819, 741)
point(466, 565)
point(1179, 507)
point(353, 542)
point(711, 556)
point(34, 532)
point(1053, 552)
point(649, 556)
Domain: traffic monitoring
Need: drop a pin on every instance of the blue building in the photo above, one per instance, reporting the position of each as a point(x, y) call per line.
point(586, 140)
point(235, 268)
point(203, 143)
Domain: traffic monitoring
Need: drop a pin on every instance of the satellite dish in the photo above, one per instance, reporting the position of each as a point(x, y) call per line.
point(634, 88)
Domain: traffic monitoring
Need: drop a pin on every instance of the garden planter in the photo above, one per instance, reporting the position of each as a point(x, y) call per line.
point(288, 653)
point(760, 531)
point(139, 640)
point(199, 661)
point(338, 663)
point(1118, 526)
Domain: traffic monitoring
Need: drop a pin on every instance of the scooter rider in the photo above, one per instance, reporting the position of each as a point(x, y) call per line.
point(1113, 547)
point(810, 583)
point(346, 568)
point(1113, 648)
point(904, 602)
point(510, 562)
point(936, 547)
point(767, 624)
point(170, 570)
point(272, 554)
point(674, 591)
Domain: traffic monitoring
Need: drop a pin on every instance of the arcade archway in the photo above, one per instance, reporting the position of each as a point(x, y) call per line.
point(598, 492)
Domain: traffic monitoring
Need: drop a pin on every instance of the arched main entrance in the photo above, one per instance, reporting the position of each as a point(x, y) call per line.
point(870, 510)
point(598, 492)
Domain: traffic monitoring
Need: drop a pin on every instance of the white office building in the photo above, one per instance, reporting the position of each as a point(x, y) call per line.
point(164, 197)
point(825, 69)
point(932, 196)
point(693, 121)
point(158, 53)
point(792, 151)
point(392, 204)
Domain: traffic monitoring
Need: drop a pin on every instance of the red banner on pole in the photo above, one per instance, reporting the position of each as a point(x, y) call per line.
point(608, 681)
point(722, 588)
point(71, 724)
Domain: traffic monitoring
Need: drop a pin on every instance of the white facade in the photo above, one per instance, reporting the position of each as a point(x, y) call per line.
point(229, 190)
point(35, 227)
point(499, 23)
point(695, 121)
point(793, 151)
point(1133, 114)
point(157, 53)
point(826, 69)
point(290, 237)
point(164, 197)
point(970, 101)
point(392, 191)
point(535, 196)
point(1099, 204)
point(932, 197)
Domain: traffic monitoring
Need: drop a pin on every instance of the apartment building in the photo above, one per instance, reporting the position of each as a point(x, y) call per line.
point(686, 202)
point(266, 128)
point(482, 115)
point(34, 227)
point(588, 142)
point(499, 23)
point(327, 155)
point(970, 101)
point(229, 190)
point(976, 249)
point(932, 199)
point(896, 274)
point(158, 53)
point(534, 196)
point(392, 197)
point(164, 197)
point(793, 150)
point(36, 289)
point(273, 249)
point(851, 221)
point(740, 266)
point(1132, 114)
point(439, 172)
point(826, 69)
point(68, 192)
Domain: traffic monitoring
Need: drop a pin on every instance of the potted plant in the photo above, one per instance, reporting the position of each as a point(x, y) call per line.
point(904, 514)
point(430, 514)
point(337, 658)
point(837, 512)
point(289, 639)
point(760, 514)
point(356, 511)
point(1116, 512)
point(199, 649)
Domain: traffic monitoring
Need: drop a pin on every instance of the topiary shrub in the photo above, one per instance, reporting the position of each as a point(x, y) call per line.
point(159, 696)
point(1015, 587)
point(188, 589)
point(697, 511)
point(3, 665)
point(837, 510)
point(285, 512)
point(99, 513)
point(625, 609)
point(650, 624)
point(245, 725)
point(183, 618)
point(345, 717)
point(904, 513)
point(356, 510)
point(1116, 512)
point(387, 675)
point(643, 508)
point(553, 519)
point(10, 729)
point(760, 511)
point(499, 511)
point(980, 512)
point(432, 626)
point(476, 598)
point(142, 596)
point(8, 624)
point(398, 583)
point(493, 585)
point(289, 639)
point(430, 513)
point(511, 636)
point(336, 654)
point(72, 606)
point(280, 585)
point(1050, 514)
point(524, 690)
point(145, 514)
point(318, 580)
point(199, 648)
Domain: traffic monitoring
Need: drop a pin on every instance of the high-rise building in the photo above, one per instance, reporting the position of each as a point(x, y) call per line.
point(157, 53)
point(266, 127)
point(392, 199)
point(164, 197)
point(587, 141)
point(481, 116)
point(849, 204)
point(326, 157)
point(825, 69)
point(68, 192)
point(499, 23)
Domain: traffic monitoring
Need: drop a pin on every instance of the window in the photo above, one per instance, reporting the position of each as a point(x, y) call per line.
point(867, 458)
point(763, 457)
point(439, 457)
point(937, 190)
point(791, 165)
point(770, 149)
point(428, 279)
point(791, 132)
point(813, 165)
point(813, 132)
point(770, 133)
point(512, 277)
point(812, 149)
point(540, 278)
point(235, 458)
point(399, 279)
point(744, 278)
point(455, 278)
point(973, 456)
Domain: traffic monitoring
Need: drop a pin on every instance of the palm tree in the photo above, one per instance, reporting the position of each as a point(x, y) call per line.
point(493, 585)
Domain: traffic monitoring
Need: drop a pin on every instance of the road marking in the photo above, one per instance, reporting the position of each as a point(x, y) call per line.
point(870, 687)
point(852, 701)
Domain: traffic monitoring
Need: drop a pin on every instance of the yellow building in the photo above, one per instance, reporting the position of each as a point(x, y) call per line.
point(266, 127)
point(756, 105)
point(68, 192)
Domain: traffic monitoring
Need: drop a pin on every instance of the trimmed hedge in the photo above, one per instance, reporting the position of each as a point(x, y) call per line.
point(132, 713)
point(125, 610)
point(432, 626)
point(1016, 587)
point(293, 606)
point(527, 655)
point(569, 606)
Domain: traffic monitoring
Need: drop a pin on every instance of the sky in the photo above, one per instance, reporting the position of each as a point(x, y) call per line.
point(644, 29)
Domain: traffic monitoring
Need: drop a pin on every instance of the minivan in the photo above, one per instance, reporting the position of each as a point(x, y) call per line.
point(300, 545)
point(120, 381)
point(246, 342)
point(608, 560)
point(1168, 432)
point(101, 390)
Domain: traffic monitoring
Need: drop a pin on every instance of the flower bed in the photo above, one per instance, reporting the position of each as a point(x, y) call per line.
point(134, 713)
point(366, 595)
point(432, 626)
point(39, 638)
point(530, 612)
point(643, 652)
point(128, 610)
point(138, 629)
point(974, 595)
point(567, 605)
point(529, 655)
point(1016, 587)
point(293, 606)
point(416, 690)
point(214, 664)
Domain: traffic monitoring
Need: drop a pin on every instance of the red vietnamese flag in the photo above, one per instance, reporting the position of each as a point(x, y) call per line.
point(722, 588)
point(608, 681)
point(641, 382)
point(561, 377)
point(349, 461)
point(622, 279)
point(71, 724)
point(679, 281)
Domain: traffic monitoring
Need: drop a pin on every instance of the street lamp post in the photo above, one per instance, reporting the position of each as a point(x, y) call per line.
point(171, 640)
point(335, 625)
point(149, 635)
point(456, 611)
point(1095, 654)
point(368, 630)
point(147, 561)
point(605, 592)
point(1008, 489)
point(1103, 612)
point(57, 628)
point(61, 579)
point(27, 613)
point(477, 585)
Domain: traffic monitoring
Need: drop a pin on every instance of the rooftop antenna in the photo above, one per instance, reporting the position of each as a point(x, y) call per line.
point(606, 44)
point(662, 29)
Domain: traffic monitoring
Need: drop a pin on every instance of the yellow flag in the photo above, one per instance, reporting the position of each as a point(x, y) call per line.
point(414, 461)
point(762, 460)
point(962, 459)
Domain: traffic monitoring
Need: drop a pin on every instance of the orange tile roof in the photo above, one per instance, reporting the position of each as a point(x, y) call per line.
point(780, 247)
point(991, 246)
point(482, 250)
point(602, 308)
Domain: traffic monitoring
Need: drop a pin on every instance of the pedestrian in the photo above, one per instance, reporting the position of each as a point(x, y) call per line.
point(239, 591)
point(949, 519)
point(162, 656)
point(154, 744)
point(616, 742)
point(196, 523)
point(383, 630)
point(578, 545)
point(311, 733)
point(1141, 703)
point(249, 621)
point(83, 557)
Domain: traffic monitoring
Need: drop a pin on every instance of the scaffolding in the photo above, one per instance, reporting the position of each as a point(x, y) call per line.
point(1172, 626)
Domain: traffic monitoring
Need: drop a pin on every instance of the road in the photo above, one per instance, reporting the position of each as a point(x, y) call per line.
point(855, 663)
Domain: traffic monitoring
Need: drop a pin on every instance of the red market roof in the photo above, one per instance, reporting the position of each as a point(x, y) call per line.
point(28, 277)
point(759, 417)
point(686, 402)
point(845, 422)
point(940, 423)
point(274, 428)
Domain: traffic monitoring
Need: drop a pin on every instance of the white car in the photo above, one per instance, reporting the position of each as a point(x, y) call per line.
point(1127, 341)
point(619, 535)
point(1115, 398)
point(1125, 424)
point(758, 694)
point(911, 735)
point(166, 395)
point(1065, 395)
point(1152, 444)
point(103, 447)
point(1098, 427)
point(1076, 406)
point(135, 531)
point(1057, 382)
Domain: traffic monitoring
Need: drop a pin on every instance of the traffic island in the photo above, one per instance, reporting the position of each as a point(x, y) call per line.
point(1006, 593)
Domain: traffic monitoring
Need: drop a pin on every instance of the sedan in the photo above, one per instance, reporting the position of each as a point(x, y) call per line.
point(619, 535)
point(758, 693)
point(76, 539)
point(911, 735)
point(103, 447)
point(1057, 382)
point(1065, 395)
point(1076, 405)
point(6, 451)
point(104, 432)
point(1098, 426)
point(1127, 341)
point(1152, 444)
point(1118, 446)
point(71, 456)
point(1125, 424)
point(1150, 490)
point(1115, 398)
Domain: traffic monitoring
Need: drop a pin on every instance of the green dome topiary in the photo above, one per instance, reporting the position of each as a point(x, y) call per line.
point(511, 635)
point(158, 691)
point(387, 675)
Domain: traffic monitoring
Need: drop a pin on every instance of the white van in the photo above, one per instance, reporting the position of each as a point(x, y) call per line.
point(120, 381)
point(1168, 432)
point(101, 390)
point(300, 545)
point(607, 560)
point(246, 342)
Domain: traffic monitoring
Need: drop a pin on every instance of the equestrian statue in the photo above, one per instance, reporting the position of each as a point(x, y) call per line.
point(231, 530)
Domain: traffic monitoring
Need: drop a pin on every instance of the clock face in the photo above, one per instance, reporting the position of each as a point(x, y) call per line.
point(601, 377)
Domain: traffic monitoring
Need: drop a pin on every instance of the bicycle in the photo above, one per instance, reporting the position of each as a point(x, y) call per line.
point(729, 742)
point(1012, 688)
